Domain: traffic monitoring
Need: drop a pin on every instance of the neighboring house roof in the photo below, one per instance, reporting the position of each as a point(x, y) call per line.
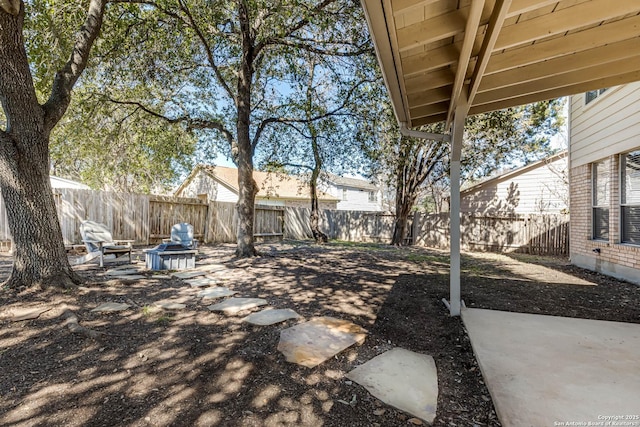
point(57, 182)
point(349, 182)
point(512, 173)
point(270, 184)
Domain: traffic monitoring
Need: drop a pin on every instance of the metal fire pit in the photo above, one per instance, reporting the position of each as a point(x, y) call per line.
point(170, 256)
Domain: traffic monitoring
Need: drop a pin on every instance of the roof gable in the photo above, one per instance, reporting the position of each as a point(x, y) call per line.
point(349, 182)
point(270, 184)
point(513, 173)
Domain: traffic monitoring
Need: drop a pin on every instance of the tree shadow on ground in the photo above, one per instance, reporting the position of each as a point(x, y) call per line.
point(196, 367)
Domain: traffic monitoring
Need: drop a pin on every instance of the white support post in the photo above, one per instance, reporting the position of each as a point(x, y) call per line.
point(456, 150)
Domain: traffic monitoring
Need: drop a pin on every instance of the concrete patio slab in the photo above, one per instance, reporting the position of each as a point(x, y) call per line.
point(217, 292)
point(311, 343)
point(403, 379)
point(552, 371)
point(234, 305)
point(271, 317)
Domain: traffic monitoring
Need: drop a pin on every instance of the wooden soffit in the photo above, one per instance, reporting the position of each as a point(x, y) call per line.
point(499, 53)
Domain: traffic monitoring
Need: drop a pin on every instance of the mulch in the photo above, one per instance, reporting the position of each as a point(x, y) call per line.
point(195, 367)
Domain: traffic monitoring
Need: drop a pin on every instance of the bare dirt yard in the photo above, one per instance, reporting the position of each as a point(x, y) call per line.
point(194, 367)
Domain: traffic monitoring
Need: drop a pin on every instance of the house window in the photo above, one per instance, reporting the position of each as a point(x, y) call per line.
point(600, 213)
point(593, 94)
point(344, 194)
point(630, 197)
point(373, 197)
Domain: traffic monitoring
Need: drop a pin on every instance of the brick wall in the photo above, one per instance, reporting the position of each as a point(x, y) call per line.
point(614, 258)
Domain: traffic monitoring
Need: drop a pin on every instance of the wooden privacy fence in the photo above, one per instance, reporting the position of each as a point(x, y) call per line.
point(355, 226)
point(148, 219)
point(534, 234)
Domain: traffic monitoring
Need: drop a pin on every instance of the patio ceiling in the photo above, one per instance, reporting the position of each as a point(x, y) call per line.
point(492, 54)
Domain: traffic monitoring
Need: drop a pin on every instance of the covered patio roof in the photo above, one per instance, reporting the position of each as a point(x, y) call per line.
point(445, 59)
point(499, 53)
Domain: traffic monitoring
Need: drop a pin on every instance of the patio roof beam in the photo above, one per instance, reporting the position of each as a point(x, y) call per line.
point(600, 71)
point(561, 65)
point(470, 32)
point(488, 44)
point(556, 93)
point(404, 130)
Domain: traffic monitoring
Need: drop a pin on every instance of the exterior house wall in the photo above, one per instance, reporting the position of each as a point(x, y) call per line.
point(608, 125)
point(603, 129)
point(357, 199)
point(203, 183)
point(297, 203)
point(540, 190)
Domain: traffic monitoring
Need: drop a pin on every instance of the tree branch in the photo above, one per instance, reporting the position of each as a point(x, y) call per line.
point(333, 112)
point(326, 52)
point(67, 77)
point(191, 123)
point(292, 29)
point(210, 58)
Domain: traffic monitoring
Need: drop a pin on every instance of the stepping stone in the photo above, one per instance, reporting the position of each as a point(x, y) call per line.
point(202, 281)
point(20, 314)
point(188, 274)
point(217, 292)
point(311, 343)
point(161, 276)
point(170, 305)
point(127, 267)
point(234, 305)
point(270, 317)
point(403, 379)
point(129, 277)
point(122, 272)
point(111, 306)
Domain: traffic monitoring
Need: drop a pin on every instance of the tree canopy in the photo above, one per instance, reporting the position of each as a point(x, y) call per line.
point(514, 136)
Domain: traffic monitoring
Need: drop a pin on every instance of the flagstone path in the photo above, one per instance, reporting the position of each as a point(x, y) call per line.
point(400, 378)
point(403, 379)
point(216, 292)
point(111, 306)
point(271, 316)
point(234, 305)
point(311, 343)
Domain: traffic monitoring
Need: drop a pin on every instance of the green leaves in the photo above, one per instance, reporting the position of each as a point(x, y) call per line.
point(119, 147)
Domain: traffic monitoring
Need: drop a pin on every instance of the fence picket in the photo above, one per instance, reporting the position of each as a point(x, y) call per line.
point(147, 219)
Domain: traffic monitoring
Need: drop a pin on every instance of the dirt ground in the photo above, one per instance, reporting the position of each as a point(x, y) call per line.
point(194, 367)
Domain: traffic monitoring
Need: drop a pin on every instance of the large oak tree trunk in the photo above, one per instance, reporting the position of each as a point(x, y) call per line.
point(405, 199)
point(314, 218)
point(403, 210)
point(244, 151)
point(39, 253)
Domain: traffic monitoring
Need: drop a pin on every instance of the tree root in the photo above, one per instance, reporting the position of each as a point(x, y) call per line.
point(320, 237)
point(71, 321)
point(61, 280)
